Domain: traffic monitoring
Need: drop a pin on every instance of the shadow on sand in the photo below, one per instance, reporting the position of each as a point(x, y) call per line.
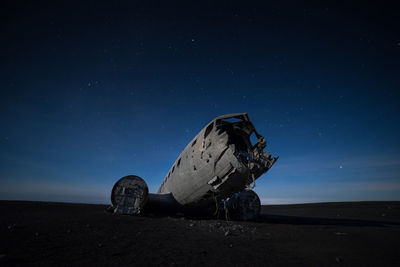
point(298, 220)
point(271, 218)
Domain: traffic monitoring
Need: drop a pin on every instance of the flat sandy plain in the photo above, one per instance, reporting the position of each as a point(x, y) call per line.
point(322, 234)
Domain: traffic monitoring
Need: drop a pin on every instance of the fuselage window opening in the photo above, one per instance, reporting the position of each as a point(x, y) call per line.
point(253, 138)
point(232, 119)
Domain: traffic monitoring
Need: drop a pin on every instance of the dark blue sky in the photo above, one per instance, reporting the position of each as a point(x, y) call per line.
point(94, 91)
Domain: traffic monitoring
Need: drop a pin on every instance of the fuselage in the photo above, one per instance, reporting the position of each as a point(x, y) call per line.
point(218, 162)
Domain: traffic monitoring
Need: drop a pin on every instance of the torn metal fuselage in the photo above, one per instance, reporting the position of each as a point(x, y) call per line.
point(220, 161)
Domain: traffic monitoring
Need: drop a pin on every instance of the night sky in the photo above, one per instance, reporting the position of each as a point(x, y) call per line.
point(95, 90)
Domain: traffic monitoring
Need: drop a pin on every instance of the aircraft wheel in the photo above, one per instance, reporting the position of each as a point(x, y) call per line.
point(245, 205)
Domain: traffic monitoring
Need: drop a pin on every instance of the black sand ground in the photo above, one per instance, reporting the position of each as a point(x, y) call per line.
point(326, 234)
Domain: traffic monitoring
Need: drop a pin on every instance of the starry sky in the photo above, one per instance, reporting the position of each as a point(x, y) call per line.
point(95, 90)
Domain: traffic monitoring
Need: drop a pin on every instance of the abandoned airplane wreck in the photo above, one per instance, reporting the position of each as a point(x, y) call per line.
point(214, 174)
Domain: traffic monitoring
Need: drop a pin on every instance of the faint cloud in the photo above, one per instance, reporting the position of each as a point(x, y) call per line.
point(47, 191)
point(371, 186)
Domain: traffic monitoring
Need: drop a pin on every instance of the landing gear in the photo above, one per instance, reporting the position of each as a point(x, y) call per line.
point(245, 205)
